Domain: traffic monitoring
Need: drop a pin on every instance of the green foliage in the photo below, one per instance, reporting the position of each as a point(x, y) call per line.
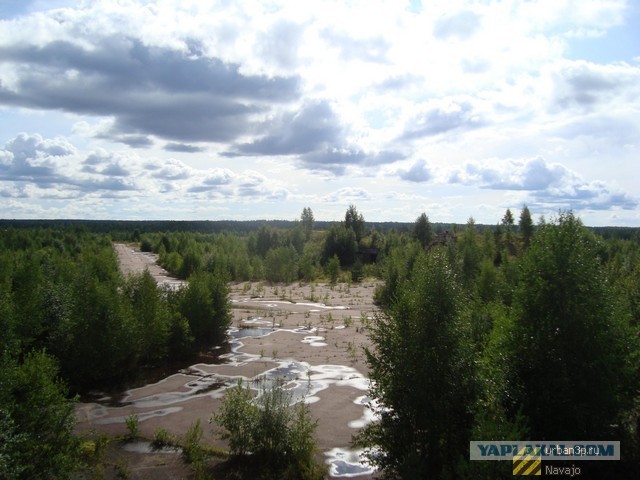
point(525, 225)
point(238, 417)
point(192, 450)
point(205, 305)
point(11, 441)
point(37, 420)
point(342, 242)
point(570, 347)
point(469, 250)
point(269, 431)
point(133, 426)
point(162, 439)
point(396, 266)
point(307, 220)
point(532, 306)
point(357, 272)
point(333, 269)
point(150, 316)
point(281, 265)
point(353, 220)
point(422, 372)
point(422, 230)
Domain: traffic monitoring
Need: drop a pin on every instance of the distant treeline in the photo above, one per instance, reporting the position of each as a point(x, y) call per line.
point(125, 229)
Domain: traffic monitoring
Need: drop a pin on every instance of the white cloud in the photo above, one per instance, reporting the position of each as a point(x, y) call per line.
point(584, 85)
point(418, 172)
point(548, 184)
point(195, 101)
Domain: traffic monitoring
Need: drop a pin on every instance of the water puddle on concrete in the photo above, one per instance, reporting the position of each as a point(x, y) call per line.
point(347, 463)
point(143, 446)
point(302, 380)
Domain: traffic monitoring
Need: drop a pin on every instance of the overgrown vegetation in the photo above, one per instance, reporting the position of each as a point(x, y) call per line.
point(511, 334)
point(515, 331)
point(270, 437)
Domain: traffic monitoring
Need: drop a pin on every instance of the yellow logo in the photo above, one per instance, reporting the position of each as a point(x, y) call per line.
point(527, 462)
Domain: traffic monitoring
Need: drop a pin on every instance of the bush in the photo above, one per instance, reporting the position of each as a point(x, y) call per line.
point(133, 427)
point(278, 436)
point(162, 439)
point(192, 451)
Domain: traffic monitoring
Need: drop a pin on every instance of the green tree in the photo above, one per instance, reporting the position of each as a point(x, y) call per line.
point(205, 305)
point(333, 269)
point(266, 239)
point(268, 429)
point(37, 420)
point(508, 220)
point(422, 373)
point(150, 316)
point(422, 230)
point(525, 226)
point(342, 242)
point(281, 264)
point(8, 341)
point(97, 346)
point(470, 251)
point(396, 269)
point(355, 221)
point(570, 357)
point(307, 222)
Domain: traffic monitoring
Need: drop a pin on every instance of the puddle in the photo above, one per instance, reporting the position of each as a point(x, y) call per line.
point(257, 321)
point(368, 415)
point(143, 446)
point(316, 307)
point(141, 416)
point(302, 380)
point(347, 463)
point(314, 341)
point(245, 332)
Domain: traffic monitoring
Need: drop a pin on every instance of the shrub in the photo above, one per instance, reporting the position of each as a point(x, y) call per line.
point(163, 438)
point(278, 436)
point(192, 451)
point(133, 426)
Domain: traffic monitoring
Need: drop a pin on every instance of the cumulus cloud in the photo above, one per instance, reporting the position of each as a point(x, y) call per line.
point(316, 136)
point(584, 84)
point(30, 158)
point(305, 130)
point(319, 93)
point(347, 194)
point(253, 185)
point(213, 180)
point(183, 147)
point(548, 184)
point(443, 116)
point(171, 170)
point(149, 90)
point(337, 160)
point(418, 172)
point(533, 174)
point(33, 167)
point(52, 166)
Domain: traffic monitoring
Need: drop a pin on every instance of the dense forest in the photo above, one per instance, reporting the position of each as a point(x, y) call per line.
point(518, 330)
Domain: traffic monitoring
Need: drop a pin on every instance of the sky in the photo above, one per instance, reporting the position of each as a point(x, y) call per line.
point(232, 110)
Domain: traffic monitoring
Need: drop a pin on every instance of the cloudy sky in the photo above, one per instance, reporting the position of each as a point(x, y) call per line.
point(186, 109)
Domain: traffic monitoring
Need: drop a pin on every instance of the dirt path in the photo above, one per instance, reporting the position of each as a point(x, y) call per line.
point(310, 336)
point(134, 262)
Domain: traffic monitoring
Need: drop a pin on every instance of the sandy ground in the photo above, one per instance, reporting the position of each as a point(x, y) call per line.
point(311, 338)
point(133, 261)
